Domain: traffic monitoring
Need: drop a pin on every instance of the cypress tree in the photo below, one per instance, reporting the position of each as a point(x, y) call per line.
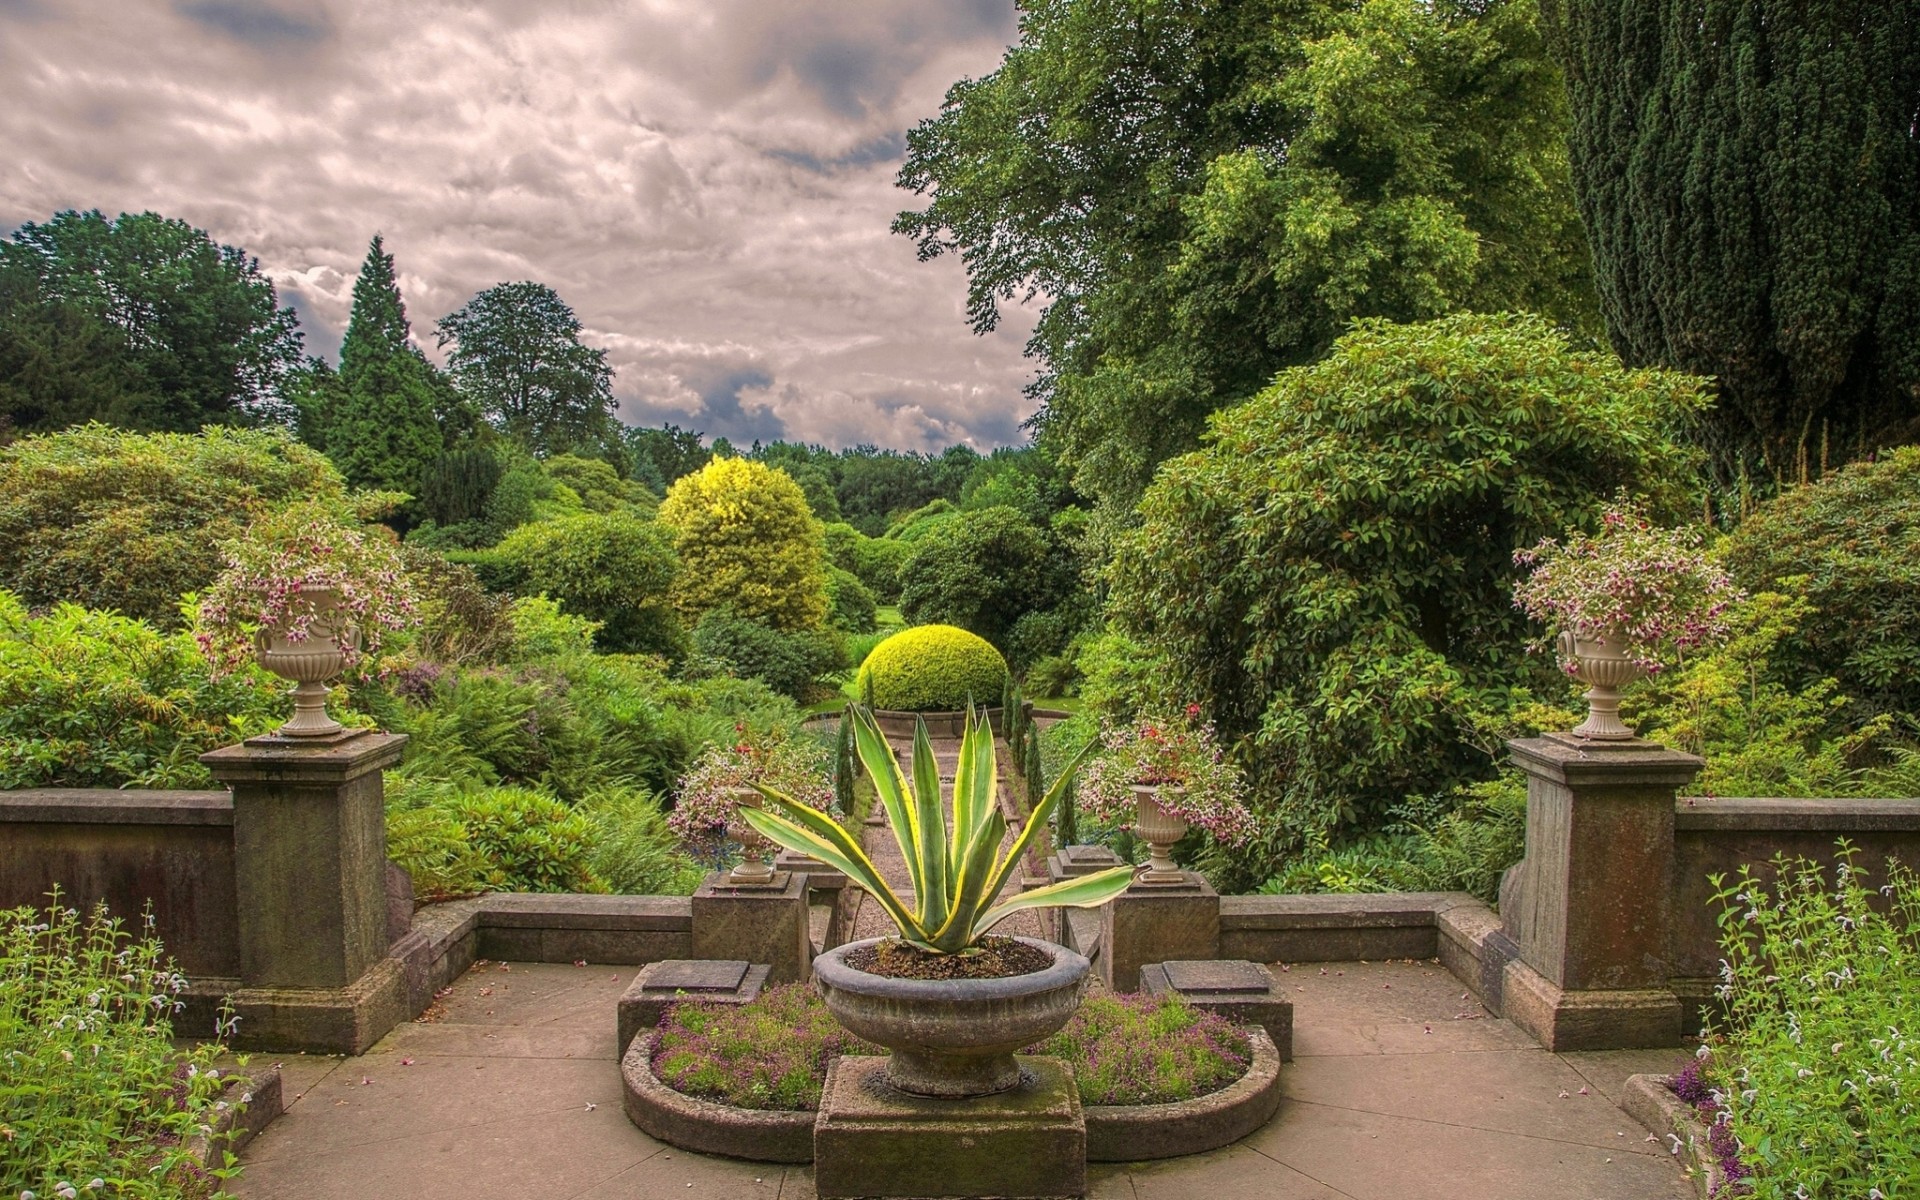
point(1749, 176)
point(843, 763)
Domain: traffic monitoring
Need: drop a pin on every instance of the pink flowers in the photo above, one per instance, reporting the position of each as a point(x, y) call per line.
point(704, 804)
point(1657, 588)
point(1198, 783)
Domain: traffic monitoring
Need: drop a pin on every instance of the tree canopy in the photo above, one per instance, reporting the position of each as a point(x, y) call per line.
point(140, 321)
point(1749, 174)
point(517, 355)
point(1206, 191)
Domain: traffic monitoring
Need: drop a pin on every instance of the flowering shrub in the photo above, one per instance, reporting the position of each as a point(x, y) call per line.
point(94, 1098)
point(281, 564)
point(704, 801)
point(772, 1054)
point(1656, 587)
point(1198, 783)
point(1817, 1070)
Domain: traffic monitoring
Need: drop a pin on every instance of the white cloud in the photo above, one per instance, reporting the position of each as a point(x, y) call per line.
point(706, 182)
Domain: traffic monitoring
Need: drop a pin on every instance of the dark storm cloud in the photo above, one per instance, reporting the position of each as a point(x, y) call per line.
point(706, 182)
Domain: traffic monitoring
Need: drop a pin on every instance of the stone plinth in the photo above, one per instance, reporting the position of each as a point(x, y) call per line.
point(310, 882)
point(872, 1141)
point(766, 924)
point(820, 876)
point(1236, 989)
point(1590, 908)
point(1157, 922)
point(710, 981)
point(1074, 861)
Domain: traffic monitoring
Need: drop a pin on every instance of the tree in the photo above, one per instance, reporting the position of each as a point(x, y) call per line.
point(517, 355)
point(1206, 191)
point(747, 543)
point(1749, 174)
point(616, 569)
point(184, 331)
point(389, 418)
point(671, 451)
point(982, 573)
point(1330, 577)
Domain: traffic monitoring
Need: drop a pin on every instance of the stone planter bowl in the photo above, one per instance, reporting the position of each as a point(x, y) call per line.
point(897, 724)
point(308, 663)
point(953, 1038)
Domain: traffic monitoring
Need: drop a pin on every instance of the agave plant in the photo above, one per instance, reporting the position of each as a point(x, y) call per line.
point(957, 872)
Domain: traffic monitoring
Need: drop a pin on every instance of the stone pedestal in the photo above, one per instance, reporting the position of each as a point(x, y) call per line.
point(710, 981)
point(1590, 907)
point(310, 878)
point(764, 924)
point(1157, 922)
point(1236, 989)
point(872, 1141)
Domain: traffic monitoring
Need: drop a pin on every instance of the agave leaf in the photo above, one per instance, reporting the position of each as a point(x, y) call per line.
point(929, 853)
point(1037, 819)
point(970, 893)
point(876, 754)
point(975, 780)
point(806, 830)
point(1087, 891)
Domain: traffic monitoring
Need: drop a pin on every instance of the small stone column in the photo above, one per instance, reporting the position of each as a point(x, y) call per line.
point(1590, 908)
point(1157, 922)
point(755, 923)
point(310, 877)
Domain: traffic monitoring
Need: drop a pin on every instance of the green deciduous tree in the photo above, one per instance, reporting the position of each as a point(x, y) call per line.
point(1749, 174)
point(141, 321)
point(1207, 191)
point(982, 572)
point(1331, 577)
point(747, 543)
point(616, 569)
point(517, 355)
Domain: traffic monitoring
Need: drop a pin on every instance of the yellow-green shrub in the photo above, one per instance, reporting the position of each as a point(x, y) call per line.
point(748, 542)
point(932, 668)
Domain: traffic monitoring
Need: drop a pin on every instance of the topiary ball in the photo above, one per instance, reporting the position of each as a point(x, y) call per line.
point(932, 668)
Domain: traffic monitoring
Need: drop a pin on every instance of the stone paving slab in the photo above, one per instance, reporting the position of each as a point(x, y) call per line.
point(494, 1103)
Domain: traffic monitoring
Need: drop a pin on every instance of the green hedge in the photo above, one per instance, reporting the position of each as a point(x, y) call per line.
point(932, 668)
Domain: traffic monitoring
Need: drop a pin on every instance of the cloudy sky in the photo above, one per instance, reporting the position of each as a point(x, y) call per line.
point(707, 182)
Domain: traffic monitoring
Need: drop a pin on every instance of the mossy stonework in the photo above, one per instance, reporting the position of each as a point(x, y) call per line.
point(932, 668)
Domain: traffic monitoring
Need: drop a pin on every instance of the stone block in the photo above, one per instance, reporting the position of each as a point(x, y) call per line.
point(872, 1141)
point(1080, 860)
point(1150, 923)
point(313, 1020)
point(713, 981)
point(755, 924)
point(1588, 1019)
point(1239, 990)
point(820, 876)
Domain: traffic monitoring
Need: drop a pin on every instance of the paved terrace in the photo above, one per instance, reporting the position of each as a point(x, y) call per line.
point(1402, 1089)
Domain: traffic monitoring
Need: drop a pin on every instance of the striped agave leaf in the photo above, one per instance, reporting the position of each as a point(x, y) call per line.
point(956, 871)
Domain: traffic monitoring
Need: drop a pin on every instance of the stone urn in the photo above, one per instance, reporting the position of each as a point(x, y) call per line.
point(1160, 828)
point(309, 662)
point(1601, 662)
point(753, 870)
point(952, 1038)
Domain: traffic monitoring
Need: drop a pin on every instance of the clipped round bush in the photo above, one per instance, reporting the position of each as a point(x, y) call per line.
point(748, 542)
point(615, 568)
point(932, 668)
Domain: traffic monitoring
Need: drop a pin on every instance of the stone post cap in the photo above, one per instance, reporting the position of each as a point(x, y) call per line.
point(1577, 762)
point(331, 761)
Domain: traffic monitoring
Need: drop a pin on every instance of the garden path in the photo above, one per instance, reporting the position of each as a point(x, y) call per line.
point(884, 849)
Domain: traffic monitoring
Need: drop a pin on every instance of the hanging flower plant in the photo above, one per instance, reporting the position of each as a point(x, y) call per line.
point(1181, 756)
point(705, 801)
point(1656, 588)
point(304, 571)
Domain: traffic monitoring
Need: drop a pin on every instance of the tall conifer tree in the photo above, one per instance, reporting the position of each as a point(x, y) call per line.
point(1749, 175)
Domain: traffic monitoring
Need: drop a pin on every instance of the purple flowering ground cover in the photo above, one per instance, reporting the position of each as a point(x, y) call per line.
point(773, 1054)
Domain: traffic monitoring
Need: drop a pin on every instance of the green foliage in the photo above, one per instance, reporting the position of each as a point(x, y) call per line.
point(456, 487)
point(536, 843)
point(982, 573)
point(634, 853)
point(93, 699)
point(616, 569)
point(1148, 1050)
point(457, 620)
point(747, 542)
point(109, 519)
point(912, 526)
point(1818, 1064)
point(1746, 173)
point(1331, 578)
point(850, 606)
point(599, 485)
point(1851, 543)
point(875, 561)
point(94, 1097)
point(932, 668)
point(1041, 634)
point(1053, 676)
point(669, 451)
point(517, 355)
point(843, 763)
point(771, 1054)
point(177, 330)
point(957, 871)
point(1208, 192)
point(789, 662)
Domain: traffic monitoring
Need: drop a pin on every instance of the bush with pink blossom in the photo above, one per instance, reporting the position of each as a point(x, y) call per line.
point(705, 798)
point(1179, 753)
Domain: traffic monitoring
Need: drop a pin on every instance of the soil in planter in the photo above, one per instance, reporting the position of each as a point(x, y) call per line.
point(993, 958)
